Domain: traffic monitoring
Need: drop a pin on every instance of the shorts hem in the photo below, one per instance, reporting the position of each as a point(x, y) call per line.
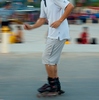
point(50, 63)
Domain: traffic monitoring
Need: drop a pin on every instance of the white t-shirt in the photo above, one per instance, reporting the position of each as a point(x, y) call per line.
point(53, 10)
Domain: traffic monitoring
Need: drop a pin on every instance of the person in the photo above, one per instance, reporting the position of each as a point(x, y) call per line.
point(93, 41)
point(12, 37)
point(56, 12)
point(16, 37)
point(19, 34)
point(6, 13)
point(84, 37)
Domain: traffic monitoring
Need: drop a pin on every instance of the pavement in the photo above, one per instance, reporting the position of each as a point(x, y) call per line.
point(22, 74)
point(22, 71)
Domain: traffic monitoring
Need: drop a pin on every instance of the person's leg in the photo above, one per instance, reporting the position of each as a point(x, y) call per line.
point(51, 58)
point(51, 70)
point(53, 76)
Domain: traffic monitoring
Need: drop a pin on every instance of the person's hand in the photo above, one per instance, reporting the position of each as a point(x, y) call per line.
point(55, 24)
point(27, 27)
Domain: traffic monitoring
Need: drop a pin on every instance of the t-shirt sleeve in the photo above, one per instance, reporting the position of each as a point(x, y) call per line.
point(61, 3)
point(42, 12)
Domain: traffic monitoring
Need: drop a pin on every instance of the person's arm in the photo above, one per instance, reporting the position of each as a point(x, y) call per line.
point(38, 23)
point(66, 13)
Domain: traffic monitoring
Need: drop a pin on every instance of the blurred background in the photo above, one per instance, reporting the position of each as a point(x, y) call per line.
point(85, 14)
point(85, 10)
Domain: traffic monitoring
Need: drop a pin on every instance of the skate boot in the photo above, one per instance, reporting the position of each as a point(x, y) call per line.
point(59, 87)
point(48, 90)
point(44, 88)
point(53, 85)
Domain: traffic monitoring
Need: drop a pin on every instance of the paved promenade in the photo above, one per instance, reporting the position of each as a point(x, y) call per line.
point(22, 74)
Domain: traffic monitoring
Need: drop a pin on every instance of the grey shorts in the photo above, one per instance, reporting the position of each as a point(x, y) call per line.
point(52, 52)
